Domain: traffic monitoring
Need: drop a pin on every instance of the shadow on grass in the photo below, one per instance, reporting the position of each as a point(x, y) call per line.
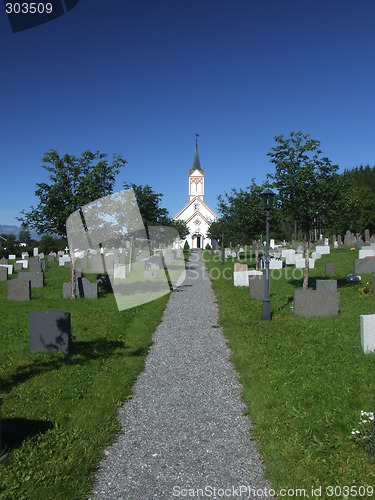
point(16, 430)
point(79, 353)
point(341, 282)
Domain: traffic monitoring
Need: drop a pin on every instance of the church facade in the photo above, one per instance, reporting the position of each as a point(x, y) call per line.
point(197, 215)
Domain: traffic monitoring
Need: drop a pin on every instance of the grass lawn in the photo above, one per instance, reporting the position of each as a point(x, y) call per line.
point(305, 380)
point(59, 412)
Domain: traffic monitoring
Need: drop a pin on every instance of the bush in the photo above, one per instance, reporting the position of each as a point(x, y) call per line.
point(208, 246)
point(186, 245)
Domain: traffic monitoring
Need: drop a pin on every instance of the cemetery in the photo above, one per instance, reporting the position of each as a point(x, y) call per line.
point(66, 366)
point(312, 369)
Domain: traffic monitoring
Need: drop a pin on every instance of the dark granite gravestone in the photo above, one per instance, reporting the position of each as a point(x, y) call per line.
point(330, 269)
point(330, 285)
point(257, 283)
point(364, 266)
point(3, 274)
point(36, 278)
point(19, 290)
point(310, 303)
point(50, 331)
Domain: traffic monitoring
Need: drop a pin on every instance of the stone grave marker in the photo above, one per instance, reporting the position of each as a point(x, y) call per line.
point(90, 290)
point(367, 235)
point(12, 257)
point(19, 290)
point(9, 267)
point(257, 285)
point(35, 252)
point(3, 273)
point(323, 249)
point(300, 249)
point(241, 278)
point(330, 285)
point(35, 264)
point(364, 266)
point(4, 261)
point(119, 271)
point(36, 278)
point(154, 263)
point(24, 255)
point(368, 333)
point(240, 267)
point(18, 266)
point(50, 331)
point(308, 303)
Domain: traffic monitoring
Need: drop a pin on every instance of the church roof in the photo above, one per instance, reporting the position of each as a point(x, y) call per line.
point(196, 162)
point(194, 200)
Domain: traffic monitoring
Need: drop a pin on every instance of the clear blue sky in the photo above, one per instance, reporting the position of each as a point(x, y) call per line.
point(141, 77)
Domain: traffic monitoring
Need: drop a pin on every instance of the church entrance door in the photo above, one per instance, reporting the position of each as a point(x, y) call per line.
point(198, 241)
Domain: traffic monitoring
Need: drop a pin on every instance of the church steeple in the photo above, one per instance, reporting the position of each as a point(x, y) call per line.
point(196, 176)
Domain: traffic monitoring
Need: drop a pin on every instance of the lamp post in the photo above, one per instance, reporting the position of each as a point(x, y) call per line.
point(267, 197)
point(222, 242)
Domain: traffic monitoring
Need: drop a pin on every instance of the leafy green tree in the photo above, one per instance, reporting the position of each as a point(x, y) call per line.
point(24, 236)
point(306, 182)
point(242, 215)
point(74, 182)
point(47, 244)
point(149, 204)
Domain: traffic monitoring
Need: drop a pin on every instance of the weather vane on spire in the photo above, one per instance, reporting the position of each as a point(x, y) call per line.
point(196, 139)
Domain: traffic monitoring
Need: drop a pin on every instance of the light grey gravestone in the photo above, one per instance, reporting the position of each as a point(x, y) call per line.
point(35, 265)
point(330, 285)
point(35, 252)
point(4, 261)
point(19, 290)
point(364, 266)
point(51, 258)
point(367, 235)
point(257, 284)
point(41, 256)
point(18, 266)
point(168, 258)
point(119, 271)
point(50, 331)
point(96, 264)
point(36, 278)
point(310, 303)
point(3, 274)
point(12, 257)
point(67, 287)
point(368, 333)
point(330, 269)
point(240, 267)
point(300, 249)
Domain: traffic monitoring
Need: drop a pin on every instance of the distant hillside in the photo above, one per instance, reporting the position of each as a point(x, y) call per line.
point(15, 230)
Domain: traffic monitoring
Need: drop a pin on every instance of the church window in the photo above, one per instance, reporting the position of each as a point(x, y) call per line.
point(197, 222)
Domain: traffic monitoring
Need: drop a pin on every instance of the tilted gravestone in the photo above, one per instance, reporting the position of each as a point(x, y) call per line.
point(89, 290)
point(19, 290)
point(310, 303)
point(330, 285)
point(330, 269)
point(36, 278)
point(50, 331)
point(3, 273)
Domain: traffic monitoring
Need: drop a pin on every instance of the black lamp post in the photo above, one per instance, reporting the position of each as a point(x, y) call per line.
point(222, 242)
point(267, 197)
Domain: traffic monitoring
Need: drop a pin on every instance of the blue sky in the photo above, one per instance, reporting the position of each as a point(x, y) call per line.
point(141, 77)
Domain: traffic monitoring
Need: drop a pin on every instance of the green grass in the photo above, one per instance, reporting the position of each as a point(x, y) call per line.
point(59, 412)
point(305, 380)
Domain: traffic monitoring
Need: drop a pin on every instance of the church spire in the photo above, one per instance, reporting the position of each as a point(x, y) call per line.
point(196, 161)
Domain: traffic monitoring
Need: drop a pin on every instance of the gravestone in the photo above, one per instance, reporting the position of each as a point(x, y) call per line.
point(119, 271)
point(24, 255)
point(9, 267)
point(368, 333)
point(154, 263)
point(35, 252)
point(366, 252)
point(168, 258)
point(308, 303)
point(35, 264)
point(323, 249)
point(335, 244)
point(50, 258)
point(330, 269)
point(12, 257)
point(18, 266)
point(4, 261)
point(89, 290)
point(240, 267)
point(300, 249)
point(339, 239)
point(367, 235)
point(96, 264)
point(241, 278)
point(41, 256)
point(364, 266)
point(3, 273)
point(36, 278)
point(276, 264)
point(330, 285)
point(24, 262)
point(257, 285)
point(50, 331)
point(19, 290)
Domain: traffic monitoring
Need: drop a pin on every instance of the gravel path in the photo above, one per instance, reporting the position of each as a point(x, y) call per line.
point(183, 428)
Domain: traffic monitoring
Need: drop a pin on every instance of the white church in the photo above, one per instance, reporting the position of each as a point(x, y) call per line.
point(197, 215)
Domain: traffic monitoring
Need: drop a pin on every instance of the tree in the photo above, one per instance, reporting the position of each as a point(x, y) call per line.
point(306, 182)
point(74, 182)
point(152, 213)
point(242, 215)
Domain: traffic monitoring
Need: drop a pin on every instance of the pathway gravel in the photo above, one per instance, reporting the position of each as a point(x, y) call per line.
point(184, 431)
